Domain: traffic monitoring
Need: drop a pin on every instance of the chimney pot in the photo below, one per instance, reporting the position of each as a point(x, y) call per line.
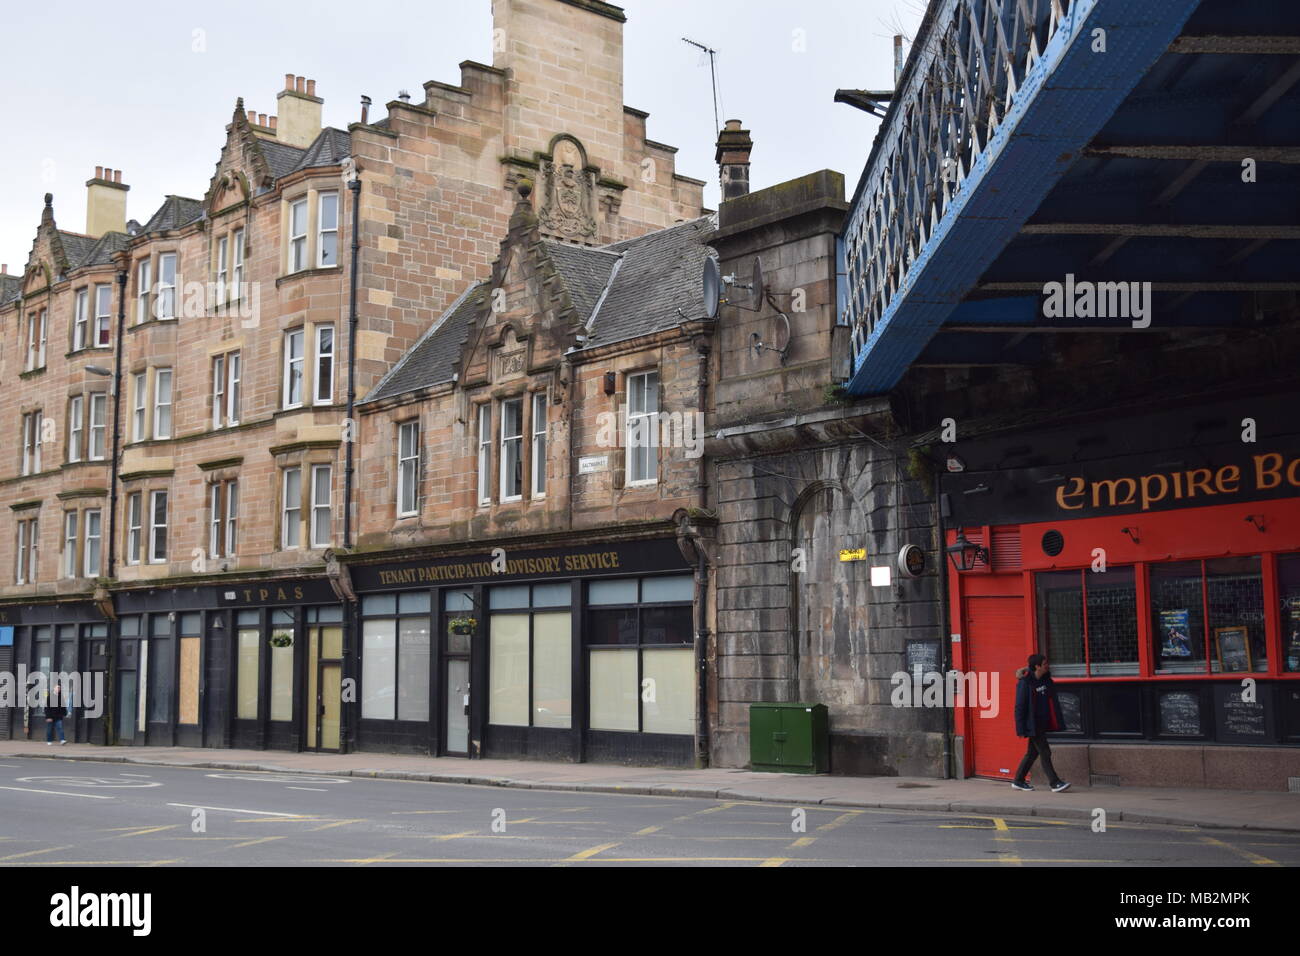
point(288, 81)
point(117, 175)
point(99, 172)
point(273, 121)
point(301, 84)
point(732, 156)
point(311, 87)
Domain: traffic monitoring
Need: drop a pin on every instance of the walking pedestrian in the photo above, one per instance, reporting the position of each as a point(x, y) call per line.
point(55, 711)
point(1037, 714)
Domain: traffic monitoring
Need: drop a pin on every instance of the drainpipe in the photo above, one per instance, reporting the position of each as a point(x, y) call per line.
point(114, 468)
point(945, 646)
point(703, 753)
point(350, 606)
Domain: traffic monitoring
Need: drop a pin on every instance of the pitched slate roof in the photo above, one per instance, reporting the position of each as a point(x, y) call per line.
point(658, 279)
point(280, 157)
point(76, 247)
point(175, 212)
point(631, 288)
point(430, 360)
point(331, 147)
point(585, 271)
point(10, 286)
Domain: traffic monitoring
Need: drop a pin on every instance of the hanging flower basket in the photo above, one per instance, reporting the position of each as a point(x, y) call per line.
point(281, 639)
point(462, 625)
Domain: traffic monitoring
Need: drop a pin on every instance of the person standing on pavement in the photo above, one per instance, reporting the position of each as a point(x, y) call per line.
point(1037, 714)
point(55, 711)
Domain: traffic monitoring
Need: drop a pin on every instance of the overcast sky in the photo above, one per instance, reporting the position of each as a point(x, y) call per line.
point(148, 87)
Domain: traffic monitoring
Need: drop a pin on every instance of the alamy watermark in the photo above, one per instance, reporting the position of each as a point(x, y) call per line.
point(620, 429)
point(1098, 300)
point(83, 690)
point(977, 689)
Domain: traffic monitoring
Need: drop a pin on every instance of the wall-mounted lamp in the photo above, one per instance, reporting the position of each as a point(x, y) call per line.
point(955, 464)
point(1257, 521)
point(611, 383)
point(965, 554)
point(1132, 533)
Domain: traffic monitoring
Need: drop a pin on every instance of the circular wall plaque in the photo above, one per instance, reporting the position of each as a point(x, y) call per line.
point(911, 561)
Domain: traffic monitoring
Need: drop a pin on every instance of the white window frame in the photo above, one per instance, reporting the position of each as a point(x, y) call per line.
point(297, 258)
point(237, 269)
point(234, 381)
point(218, 390)
point(143, 290)
point(28, 538)
point(322, 230)
point(290, 527)
point(506, 440)
point(300, 336)
point(165, 304)
point(80, 320)
point(318, 506)
point(102, 330)
point(408, 467)
point(223, 266)
point(69, 544)
point(97, 434)
point(89, 569)
point(159, 406)
point(324, 375)
point(36, 329)
point(155, 526)
point(224, 507)
point(652, 437)
point(540, 423)
point(232, 517)
point(139, 407)
point(32, 443)
point(75, 426)
point(134, 525)
point(485, 453)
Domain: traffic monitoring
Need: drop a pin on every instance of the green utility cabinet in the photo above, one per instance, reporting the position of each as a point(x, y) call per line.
point(789, 738)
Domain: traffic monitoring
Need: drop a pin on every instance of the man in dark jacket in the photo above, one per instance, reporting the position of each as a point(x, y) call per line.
point(1037, 713)
point(55, 711)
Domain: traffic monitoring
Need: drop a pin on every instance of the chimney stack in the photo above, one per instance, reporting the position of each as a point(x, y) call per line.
point(299, 113)
point(734, 147)
point(898, 58)
point(105, 202)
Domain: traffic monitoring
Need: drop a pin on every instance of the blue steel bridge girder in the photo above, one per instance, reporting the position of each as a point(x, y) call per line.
point(916, 260)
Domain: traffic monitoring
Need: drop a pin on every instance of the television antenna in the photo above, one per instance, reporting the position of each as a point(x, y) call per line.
point(713, 73)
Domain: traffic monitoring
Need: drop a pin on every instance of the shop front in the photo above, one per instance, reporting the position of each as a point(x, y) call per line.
point(1155, 561)
point(576, 653)
point(235, 665)
point(65, 641)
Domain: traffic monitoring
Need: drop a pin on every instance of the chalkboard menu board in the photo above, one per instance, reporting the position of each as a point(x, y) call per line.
point(1234, 648)
point(1069, 702)
point(924, 654)
point(1180, 714)
point(1239, 719)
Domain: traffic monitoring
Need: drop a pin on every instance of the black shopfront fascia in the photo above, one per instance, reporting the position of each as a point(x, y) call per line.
point(85, 655)
point(218, 607)
point(475, 573)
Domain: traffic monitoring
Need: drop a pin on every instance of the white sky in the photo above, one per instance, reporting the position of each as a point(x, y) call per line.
point(85, 84)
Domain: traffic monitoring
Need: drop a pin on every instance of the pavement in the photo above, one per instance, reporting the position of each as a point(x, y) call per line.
point(1226, 809)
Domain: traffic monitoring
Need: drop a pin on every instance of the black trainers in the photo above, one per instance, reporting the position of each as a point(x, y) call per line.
point(1023, 785)
point(1060, 786)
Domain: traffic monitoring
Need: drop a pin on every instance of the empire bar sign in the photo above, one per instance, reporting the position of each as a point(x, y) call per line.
point(1268, 474)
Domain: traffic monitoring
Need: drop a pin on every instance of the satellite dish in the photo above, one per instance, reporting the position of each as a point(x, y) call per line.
point(756, 290)
point(712, 287)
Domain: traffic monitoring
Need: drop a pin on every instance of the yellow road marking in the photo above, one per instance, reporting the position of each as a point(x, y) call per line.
point(1253, 857)
point(399, 813)
point(804, 841)
point(1000, 825)
point(96, 862)
point(141, 831)
point(647, 831)
point(52, 849)
point(588, 854)
point(336, 823)
point(236, 846)
point(839, 821)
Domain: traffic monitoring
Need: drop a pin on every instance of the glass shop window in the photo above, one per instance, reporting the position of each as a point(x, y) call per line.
point(1087, 621)
point(1234, 592)
point(282, 664)
point(530, 655)
point(1288, 591)
point(395, 647)
point(641, 658)
point(1178, 617)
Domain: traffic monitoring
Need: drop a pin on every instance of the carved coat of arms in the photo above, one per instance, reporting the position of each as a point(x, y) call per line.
point(566, 206)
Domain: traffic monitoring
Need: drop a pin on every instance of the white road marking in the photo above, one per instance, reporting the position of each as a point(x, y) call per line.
point(59, 793)
point(200, 806)
point(145, 775)
point(317, 789)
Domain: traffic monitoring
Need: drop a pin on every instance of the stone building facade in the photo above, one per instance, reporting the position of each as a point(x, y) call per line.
point(167, 536)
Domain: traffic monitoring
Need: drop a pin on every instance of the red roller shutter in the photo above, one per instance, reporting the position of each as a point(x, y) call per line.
point(995, 635)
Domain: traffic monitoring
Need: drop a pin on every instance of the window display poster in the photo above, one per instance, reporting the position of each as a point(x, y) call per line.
point(1175, 640)
point(1291, 631)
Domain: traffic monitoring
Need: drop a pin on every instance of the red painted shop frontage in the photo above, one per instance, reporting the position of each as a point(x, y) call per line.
point(1155, 560)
